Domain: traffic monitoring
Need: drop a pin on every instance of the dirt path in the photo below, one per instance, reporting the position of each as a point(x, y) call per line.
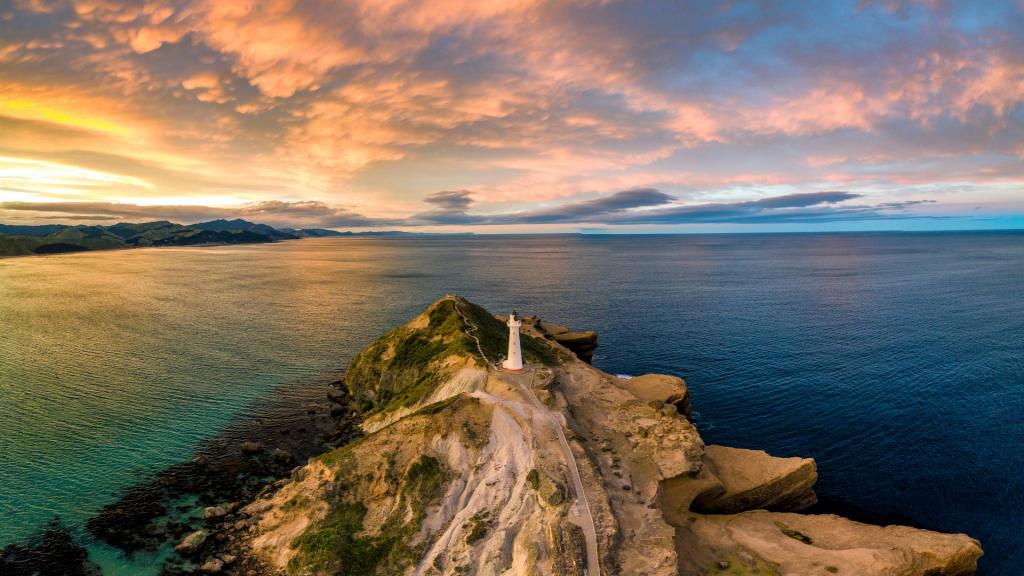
point(471, 331)
point(581, 515)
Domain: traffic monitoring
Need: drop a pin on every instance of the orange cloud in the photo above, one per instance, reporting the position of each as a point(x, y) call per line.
point(277, 49)
point(149, 38)
point(207, 86)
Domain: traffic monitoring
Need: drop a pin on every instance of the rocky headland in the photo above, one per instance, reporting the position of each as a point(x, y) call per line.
point(435, 462)
point(562, 469)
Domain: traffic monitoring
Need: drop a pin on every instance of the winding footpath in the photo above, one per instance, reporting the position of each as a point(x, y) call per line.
point(471, 331)
point(581, 508)
point(584, 519)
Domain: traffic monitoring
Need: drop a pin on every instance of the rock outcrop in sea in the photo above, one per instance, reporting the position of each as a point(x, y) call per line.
point(560, 470)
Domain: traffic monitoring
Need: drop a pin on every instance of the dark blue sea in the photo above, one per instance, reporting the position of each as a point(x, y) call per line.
point(896, 360)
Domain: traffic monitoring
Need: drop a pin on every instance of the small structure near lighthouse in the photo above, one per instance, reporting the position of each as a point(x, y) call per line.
point(514, 361)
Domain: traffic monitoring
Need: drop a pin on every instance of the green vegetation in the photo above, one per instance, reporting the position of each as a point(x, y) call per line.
point(424, 481)
point(404, 366)
point(58, 238)
point(437, 407)
point(341, 459)
point(338, 545)
point(493, 334)
point(549, 491)
point(18, 245)
point(793, 533)
point(407, 364)
point(472, 435)
point(534, 478)
point(476, 528)
point(294, 503)
point(749, 566)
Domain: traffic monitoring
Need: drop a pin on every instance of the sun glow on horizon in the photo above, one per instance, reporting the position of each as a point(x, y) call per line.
point(33, 110)
point(51, 181)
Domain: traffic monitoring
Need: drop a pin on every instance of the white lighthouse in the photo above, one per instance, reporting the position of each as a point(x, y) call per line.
point(514, 361)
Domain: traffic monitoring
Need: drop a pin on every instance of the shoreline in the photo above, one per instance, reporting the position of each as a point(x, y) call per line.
point(219, 471)
point(132, 248)
point(260, 447)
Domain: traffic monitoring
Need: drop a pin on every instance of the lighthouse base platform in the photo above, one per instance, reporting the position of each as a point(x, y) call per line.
point(514, 370)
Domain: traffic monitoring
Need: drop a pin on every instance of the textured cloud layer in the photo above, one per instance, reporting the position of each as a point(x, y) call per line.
point(541, 110)
point(641, 206)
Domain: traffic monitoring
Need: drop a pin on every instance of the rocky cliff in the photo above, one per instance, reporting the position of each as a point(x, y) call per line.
point(562, 469)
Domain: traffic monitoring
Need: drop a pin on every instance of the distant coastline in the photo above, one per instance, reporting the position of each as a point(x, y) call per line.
point(16, 240)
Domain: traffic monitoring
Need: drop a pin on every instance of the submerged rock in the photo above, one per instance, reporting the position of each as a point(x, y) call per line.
point(190, 544)
point(214, 512)
point(152, 513)
point(212, 566)
point(282, 456)
point(53, 551)
point(251, 448)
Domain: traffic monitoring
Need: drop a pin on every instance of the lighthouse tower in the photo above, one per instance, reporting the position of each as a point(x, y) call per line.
point(514, 361)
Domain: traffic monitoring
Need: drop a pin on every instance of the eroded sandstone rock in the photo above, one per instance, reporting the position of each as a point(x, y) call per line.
point(551, 328)
point(786, 543)
point(752, 479)
point(659, 388)
point(582, 344)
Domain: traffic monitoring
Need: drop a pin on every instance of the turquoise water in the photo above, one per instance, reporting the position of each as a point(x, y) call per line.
point(896, 360)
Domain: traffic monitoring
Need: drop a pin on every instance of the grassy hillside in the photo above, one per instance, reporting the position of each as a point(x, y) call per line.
point(338, 544)
point(58, 238)
point(405, 365)
point(88, 237)
point(19, 245)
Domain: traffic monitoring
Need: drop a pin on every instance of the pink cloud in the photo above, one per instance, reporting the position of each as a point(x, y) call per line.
point(149, 38)
point(207, 87)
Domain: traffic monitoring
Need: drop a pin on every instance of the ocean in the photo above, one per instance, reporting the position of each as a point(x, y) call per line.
point(894, 359)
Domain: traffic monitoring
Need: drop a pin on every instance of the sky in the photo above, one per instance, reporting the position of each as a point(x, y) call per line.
point(515, 116)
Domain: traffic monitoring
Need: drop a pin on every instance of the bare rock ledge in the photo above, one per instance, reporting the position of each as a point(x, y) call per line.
point(773, 543)
point(752, 479)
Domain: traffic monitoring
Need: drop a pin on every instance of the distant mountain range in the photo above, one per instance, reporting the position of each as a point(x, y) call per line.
point(16, 240)
point(59, 238)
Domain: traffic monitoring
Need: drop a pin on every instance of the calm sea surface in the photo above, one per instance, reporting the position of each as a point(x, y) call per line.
point(895, 360)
